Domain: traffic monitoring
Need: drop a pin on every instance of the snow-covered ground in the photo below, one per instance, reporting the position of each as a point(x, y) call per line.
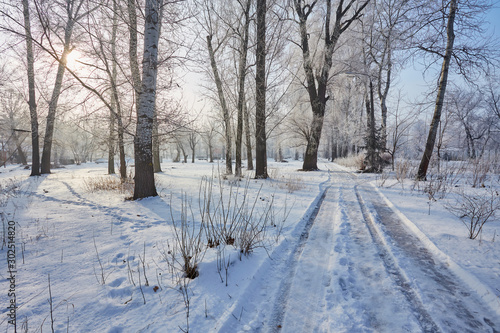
point(336, 263)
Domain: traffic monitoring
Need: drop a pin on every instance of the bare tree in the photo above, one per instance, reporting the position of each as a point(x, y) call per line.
point(104, 51)
point(242, 69)
point(13, 123)
point(35, 142)
point(193, 139)
point(224, 107)
point(443, 81)
point(470, 52)
point(468, 109)
point(209, 133)
point(400, 125)
point(72, 10)
point(317, 78)
point(391, 28)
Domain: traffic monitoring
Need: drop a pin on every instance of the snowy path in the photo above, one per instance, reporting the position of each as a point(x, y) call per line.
point(357, 268)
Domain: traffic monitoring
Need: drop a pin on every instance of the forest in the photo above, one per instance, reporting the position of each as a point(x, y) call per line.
point(249, 165)
point(122, 81)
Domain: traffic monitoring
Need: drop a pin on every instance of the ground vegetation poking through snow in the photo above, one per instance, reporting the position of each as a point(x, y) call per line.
point(127, 266)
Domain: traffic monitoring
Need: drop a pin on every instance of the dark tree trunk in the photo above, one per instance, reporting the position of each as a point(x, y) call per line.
point(248, 139)
point(21, 156)
point(111, 145)
point(443, 81)
point(210, 153)
point(223, 105)
point(260, 94)
point(242, 68)
point(51, 116)
point(35, 148)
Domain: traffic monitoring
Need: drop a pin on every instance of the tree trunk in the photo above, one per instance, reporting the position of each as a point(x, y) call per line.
point(143, 150)
point(210, 153)
point(372, 153)
point(311, 155)
point(156, 137)
point(177, 157)
point(260, 94)
point(156, 145)
point(383, 107)
point(223, 105)
point(334, 149)
point(132, 49)
point(443, 81)
point(21, 155)
point(248, 137)
point(51, 116)
point(116, 110)
point(242, 68)
point(35, 148)
point(383, 89)
point(112, 112)
point(111, 144)
point(471, 147)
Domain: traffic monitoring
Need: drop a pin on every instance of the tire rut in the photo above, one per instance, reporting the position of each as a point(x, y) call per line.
point(283, 293)
point(399, 277)
point(432, 282)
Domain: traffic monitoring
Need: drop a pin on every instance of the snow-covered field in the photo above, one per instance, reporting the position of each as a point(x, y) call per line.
point(115, 266)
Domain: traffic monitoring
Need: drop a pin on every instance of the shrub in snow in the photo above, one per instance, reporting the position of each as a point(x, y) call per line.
point(475, 209)
point(230, 218)
point(188, 237)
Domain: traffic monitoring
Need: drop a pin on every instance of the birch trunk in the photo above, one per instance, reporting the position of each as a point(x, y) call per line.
point(443, 81)
point(143, 150)
point(156, 145)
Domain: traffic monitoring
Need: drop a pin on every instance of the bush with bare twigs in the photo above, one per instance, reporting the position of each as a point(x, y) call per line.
point(188, 237)
point(475, 209)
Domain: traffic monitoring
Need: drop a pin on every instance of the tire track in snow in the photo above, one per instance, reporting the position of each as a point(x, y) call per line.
point(332, 285)
point(429, 281)
point(398, 275)
point(338, 282)
point(279, 309)
point(265, 311)
point(280, 306)
point(365, 297)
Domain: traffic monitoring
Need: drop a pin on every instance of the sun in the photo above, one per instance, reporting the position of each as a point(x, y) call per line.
point(72, 58)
